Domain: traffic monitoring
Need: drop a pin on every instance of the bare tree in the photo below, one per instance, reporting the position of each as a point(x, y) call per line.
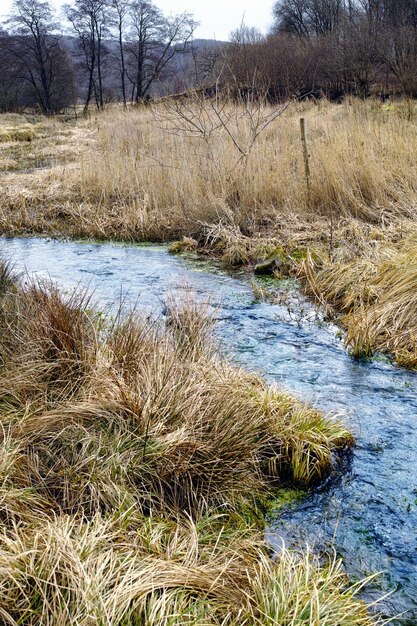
point(278, 66)
point(119, 14)
point(10, 87)
point(291, 17)
point(39, 60)
point(308, 18)
point(242, 119)
point(89, 19)
point(154, 42)
point(244, 58)
point(400, 55)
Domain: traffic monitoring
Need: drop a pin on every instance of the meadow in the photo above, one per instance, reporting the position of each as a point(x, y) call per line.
point(236, 181)
point(137, 464)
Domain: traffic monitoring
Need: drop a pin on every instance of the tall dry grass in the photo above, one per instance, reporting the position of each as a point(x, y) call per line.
point(155, 176)
point(130, 456)
point(376, 298)
point(165, 171)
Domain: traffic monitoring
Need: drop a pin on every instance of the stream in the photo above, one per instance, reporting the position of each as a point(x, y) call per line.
point(366, 510)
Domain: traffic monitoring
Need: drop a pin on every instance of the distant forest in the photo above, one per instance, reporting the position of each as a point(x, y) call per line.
point(129, 51)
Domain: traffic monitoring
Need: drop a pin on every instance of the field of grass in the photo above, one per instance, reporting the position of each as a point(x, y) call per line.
point(163, 171)
point(233, 180)
point(135, 463)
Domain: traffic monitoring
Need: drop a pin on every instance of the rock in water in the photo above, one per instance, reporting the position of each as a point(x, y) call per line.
point(270, 265)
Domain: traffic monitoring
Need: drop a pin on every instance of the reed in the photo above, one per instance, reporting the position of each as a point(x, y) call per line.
point(164, 176)
point(165, 171)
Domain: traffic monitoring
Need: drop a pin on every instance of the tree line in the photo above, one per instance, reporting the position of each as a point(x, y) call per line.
point(112, 50)
point(331, 47)
point(129, 51)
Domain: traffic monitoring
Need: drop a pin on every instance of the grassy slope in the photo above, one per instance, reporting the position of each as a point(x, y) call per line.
point(130, 460)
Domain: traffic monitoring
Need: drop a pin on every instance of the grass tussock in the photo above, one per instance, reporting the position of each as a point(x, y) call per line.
point(130, 458)
point(149, 571)
point(186, 429)
point(376, 296)
point(17, 134)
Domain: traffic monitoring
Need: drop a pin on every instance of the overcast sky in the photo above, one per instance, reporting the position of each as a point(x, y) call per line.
point(217, 17)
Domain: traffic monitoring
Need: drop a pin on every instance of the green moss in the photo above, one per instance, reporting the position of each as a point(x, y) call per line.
point(298, 254)
point(267, 251)
point(265, 506)
point(249, 512)
point(278, 251)
point(287, 498)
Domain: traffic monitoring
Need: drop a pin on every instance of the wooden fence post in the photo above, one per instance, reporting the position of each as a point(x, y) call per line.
point(305, 155)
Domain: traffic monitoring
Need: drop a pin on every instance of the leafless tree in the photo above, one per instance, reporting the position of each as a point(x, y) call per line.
point(119, 18)
point(308, 18)
point(38, 59)
point(153, 43)
point(89, 20)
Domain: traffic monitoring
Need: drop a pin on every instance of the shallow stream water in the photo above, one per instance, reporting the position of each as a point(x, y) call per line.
point(367, 510)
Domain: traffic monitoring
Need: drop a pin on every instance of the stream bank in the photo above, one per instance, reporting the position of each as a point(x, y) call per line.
point(367, 510)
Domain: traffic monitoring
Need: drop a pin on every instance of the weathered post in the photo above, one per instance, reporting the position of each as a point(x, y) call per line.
point(305, 155)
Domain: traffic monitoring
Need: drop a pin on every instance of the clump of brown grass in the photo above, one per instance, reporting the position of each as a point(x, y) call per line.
point(186, 429)
point(118, 445)
point(47, 343)
point(7, 278)
point(392, 316)
point(376, 298)
point(153, 571)
point(236, 249)
point(186, 244)
point(17, 134)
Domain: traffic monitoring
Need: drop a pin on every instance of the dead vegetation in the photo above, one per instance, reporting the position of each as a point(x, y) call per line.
point(159, 173)
point(376, 298)
point(231, 180)
point(132, 462)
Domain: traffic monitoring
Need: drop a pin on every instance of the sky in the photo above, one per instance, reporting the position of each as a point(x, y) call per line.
point(217, 17)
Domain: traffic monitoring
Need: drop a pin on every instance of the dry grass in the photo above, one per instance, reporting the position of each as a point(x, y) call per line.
point(163, 176)
point(35, 156)
point(129, 457)
point(376, 298)
point(164, 573)
point(149, 174)
point(186, 429)
point(199, 171)
point(17, 134)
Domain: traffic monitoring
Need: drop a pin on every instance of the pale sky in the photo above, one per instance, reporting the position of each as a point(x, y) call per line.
point(217, 17)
